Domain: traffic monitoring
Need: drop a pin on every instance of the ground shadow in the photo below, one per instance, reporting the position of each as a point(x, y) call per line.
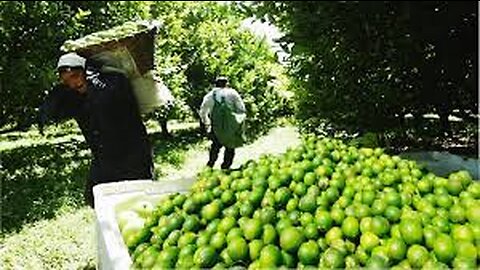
point(36, 181)
point(171, 149)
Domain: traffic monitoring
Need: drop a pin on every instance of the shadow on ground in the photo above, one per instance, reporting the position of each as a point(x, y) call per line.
point(38, 181)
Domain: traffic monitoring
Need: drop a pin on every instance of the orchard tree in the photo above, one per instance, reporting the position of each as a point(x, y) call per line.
point(364, 65)
point(32, 32)
point(202, 40)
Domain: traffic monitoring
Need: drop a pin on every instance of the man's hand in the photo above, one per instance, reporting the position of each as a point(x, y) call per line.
point(41, 119)
point(208, 129)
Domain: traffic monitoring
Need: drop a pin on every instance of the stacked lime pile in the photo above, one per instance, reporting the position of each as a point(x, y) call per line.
point(324, 204)
point(126, 30)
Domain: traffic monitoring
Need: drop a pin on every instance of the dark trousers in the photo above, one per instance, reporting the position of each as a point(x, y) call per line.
point(215, 149)
point(103, 173)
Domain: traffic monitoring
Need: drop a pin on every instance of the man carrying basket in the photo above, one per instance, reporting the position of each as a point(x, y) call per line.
point(105, 109)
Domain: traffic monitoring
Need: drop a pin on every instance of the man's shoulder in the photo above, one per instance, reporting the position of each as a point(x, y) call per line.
point(113, 75)
point(232, 91)
point(211, 92)
point(106, 78)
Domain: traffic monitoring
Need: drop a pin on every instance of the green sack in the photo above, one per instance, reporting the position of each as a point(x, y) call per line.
point(227, 125)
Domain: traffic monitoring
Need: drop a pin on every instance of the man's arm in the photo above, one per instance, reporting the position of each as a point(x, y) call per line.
point(124, 106)
point(206, 108)
point(238, 101)
point(58, 105)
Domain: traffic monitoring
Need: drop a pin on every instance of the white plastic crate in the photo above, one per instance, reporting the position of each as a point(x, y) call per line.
point(112, 253)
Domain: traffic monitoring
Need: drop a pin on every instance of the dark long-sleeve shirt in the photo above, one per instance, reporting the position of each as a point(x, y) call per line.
point(110, 121)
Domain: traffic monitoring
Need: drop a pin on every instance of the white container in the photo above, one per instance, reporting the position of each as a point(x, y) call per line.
point(444, 163)
point(112, 253)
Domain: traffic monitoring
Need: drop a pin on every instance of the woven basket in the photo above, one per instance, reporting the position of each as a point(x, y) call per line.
point(141, 46)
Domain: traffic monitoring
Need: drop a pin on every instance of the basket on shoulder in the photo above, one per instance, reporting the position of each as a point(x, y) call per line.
point(138, 38)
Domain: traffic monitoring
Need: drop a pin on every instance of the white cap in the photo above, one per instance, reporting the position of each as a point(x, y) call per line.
point(71, 60)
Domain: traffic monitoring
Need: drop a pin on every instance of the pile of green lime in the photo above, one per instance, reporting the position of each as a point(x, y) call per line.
point(322, 205)
point(128, 29)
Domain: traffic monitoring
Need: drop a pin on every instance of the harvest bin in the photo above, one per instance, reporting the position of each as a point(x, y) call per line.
point(112, 253)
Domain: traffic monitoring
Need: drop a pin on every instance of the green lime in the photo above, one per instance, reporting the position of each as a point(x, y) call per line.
point(308, 253)
point(292, 204)
point(150, 255)
point(473, 214)
point(393, 198)
point(323, 220)
point(205, 257)
point(454, 186)
point(311, 231)
point(368, 197)
point(252, 229)
point(232, 211)
point(300, 189)
point(288, 259)
point(187, 251)
point(310, 178)
point(378, 207)
point(307, 204)
point(337, 216)
point(462, 233)
point(350, 227)
point(466, 250)
point(464, 263)
point(397, 249)
point(441, 223)
point(270, 257)
point(282, 196)
point(332, 259)
point(246, 210)
point(226, 224)
point(444, 200)
point(392, 213)
point(332, 194)
point(234, 233)
point(186, 239)
point(457, 214)
point(395, 231)
point(362, 210)
point(417, 256)
point(218, 240)
point(203, 238)
point(369, 240)
point(335, 233)
point(412, 231)
point(380, 226)
point(269, 234)
point(211, 210)
point(306, 218)
point(212, 226)
point(255, 247)
point(237, 249)
point(283, 224)
point(290, 239)
point(267, 215)
point(191, 223)
point(377, 262)
point(430, 235)
point(227, 197)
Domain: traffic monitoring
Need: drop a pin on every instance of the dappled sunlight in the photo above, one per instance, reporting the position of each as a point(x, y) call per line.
point(39, 180)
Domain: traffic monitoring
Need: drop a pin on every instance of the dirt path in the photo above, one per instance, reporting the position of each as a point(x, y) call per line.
point(277, 141)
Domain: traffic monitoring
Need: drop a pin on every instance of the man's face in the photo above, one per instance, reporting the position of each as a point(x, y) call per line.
point(74, 79)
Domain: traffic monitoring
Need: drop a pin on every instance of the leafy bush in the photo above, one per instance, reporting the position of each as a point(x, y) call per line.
point(199, 41)
point(32, 33)
point(364, 65)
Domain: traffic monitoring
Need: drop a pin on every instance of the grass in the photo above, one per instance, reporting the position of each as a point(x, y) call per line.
point(44, 218)
point(65, 242)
